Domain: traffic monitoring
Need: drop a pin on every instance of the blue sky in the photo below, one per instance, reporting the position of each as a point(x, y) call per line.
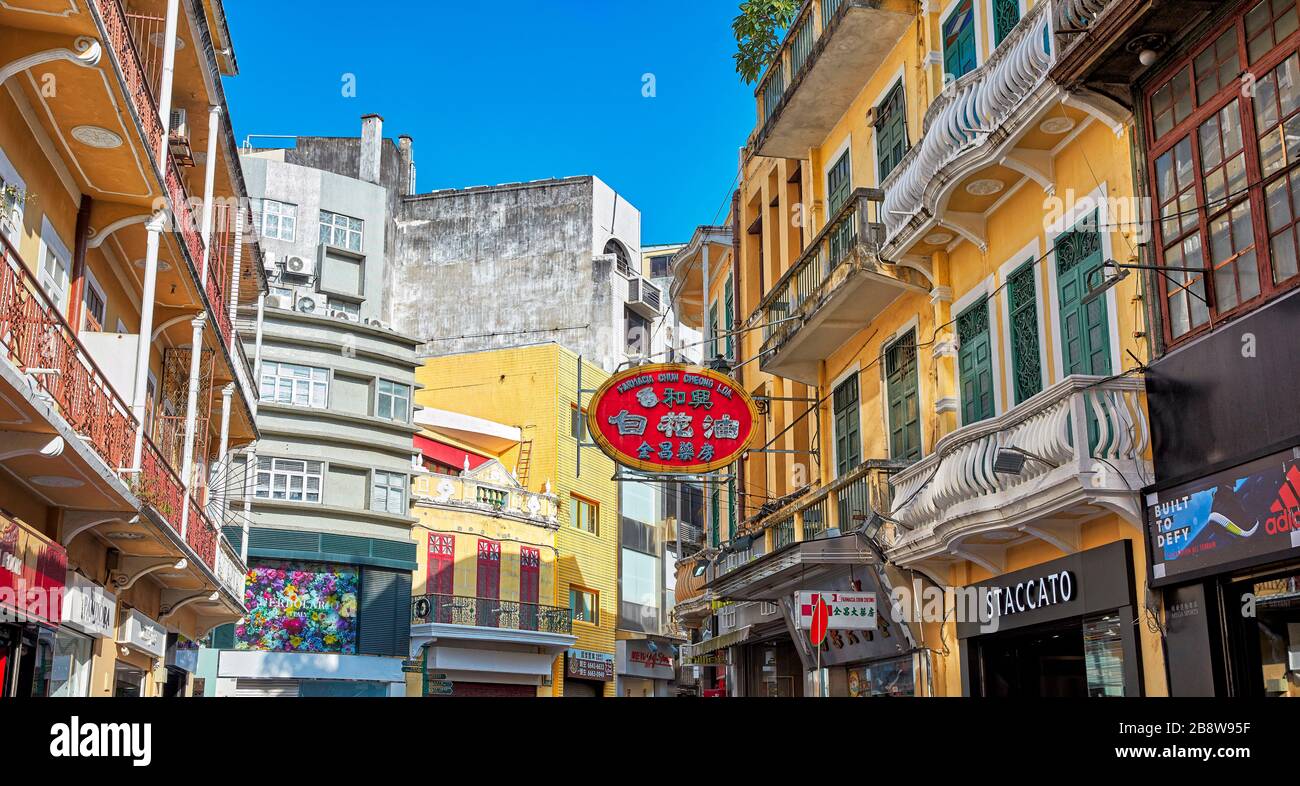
point(509, 90)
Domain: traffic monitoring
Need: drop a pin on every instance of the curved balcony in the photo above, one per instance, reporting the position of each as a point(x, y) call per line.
point(1084, 441)
point(835, 289)
point(829, 53)
point(976, 123)
point(475, 495)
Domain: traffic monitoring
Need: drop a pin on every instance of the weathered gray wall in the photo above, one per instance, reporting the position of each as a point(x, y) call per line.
point(515, 261)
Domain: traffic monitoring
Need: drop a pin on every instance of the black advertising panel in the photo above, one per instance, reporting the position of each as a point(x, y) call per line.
point(1228, 397)
point(1249, 515)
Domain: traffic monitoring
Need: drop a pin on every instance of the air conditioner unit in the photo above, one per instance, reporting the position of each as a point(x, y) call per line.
point(178, 138)
point(299, 266)
point(309, 303)
point(643, 297)
point(340, 314)
point(374, 323)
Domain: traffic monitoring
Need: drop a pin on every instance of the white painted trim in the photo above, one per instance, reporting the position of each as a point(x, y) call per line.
point(1013, 263)
point(980, 54)
point(912, 324)
point(51, 243)
point(984, 289)
point(899, 75)
point(1095, 200)
point(93, 283)
point(855, 369)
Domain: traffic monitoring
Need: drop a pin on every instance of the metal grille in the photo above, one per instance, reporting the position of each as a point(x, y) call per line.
point(1026, 358)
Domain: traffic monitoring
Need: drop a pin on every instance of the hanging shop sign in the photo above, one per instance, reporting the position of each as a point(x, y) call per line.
point(845, 610)
point(588, 665)
point(143, 634)
point(33, 570)
point(89, 607)
point(645, 658)
point(672, 418)
point(1241, 517)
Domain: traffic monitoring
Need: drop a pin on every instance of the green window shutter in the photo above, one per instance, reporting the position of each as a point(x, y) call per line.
point(848, 431)
point(904, 398)
point(975, 363)
point(731, 509)
point(891, 131)
point(384, 613)
point(959, 40)
point(715, 515)
point(1085, 328)
point(1006, 13)
point(837, 184)
point(713, 334)
point(729, 315)
point(1026, 355)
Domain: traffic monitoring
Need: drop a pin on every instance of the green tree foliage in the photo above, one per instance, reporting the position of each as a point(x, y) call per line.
point(758, 31)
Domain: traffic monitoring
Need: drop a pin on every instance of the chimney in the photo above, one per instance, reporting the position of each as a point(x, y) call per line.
point(372, 141)
point(406, 146)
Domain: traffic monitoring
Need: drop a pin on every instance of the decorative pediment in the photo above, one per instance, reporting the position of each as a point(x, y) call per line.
point(495, 473)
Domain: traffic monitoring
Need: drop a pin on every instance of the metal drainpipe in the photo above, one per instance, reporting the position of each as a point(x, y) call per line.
point(191, 413)
point(140, 393)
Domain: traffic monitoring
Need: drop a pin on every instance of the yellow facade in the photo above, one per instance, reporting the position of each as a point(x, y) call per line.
point(995, 216)
point(535, 388)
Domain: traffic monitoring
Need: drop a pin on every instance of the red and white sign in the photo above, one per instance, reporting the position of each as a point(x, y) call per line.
point(671, 418)
point(846, 610)
point(33, 572)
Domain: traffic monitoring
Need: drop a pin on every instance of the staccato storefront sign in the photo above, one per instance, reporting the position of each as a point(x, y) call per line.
point(671, 418)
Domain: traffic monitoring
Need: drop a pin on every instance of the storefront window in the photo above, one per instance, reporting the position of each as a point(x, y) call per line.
point(1277, 614)
point(1103, 655)
point(883, 678)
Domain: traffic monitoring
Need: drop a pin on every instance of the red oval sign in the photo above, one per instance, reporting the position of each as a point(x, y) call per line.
point(671, 418)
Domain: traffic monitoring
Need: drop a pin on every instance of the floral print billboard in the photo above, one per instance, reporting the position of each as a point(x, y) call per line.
point(299, 607)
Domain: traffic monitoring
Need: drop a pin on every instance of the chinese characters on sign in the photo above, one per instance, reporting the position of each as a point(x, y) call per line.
point(588, 665)
point(848, 610)
point(671, 418)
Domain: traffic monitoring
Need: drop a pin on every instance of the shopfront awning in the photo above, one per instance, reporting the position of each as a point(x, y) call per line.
point(716, 643)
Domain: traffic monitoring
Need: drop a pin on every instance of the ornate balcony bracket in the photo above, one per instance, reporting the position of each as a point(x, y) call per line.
point(131, 569)
point(175, 600)
point(76, 522)
point(86, 52)
point(99, 236)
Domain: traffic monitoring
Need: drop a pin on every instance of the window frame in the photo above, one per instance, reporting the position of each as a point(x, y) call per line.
point(381, 394)
point(92, 287)
point(1189, 128)
point(944, 18)
point(311, 383)
point(576, 505)
point(593, 607)
point(305, 473)
point(897, 90)
point(280, 214)
point(347, 229)
point(388, 488)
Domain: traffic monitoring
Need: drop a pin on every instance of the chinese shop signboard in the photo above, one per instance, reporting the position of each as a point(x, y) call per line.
point(1237, 518)
point(848, 610)
point(33, 570)
point(588, 665)
point(671, 419)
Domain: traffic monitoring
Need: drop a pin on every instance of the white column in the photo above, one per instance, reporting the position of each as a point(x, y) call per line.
point(257, 342)
point(236, 262)
point(209, 182)
point(250, 480)
point(140, 392)
point(191, 413)
point(168, 76)
point(224, 446)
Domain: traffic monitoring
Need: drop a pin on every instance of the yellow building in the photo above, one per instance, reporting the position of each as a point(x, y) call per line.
point(127, 247)
point(926, 218)
point(534, 391)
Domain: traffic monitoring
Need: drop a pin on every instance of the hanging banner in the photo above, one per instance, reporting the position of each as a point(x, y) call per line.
point(672, 418)
point(33, 571)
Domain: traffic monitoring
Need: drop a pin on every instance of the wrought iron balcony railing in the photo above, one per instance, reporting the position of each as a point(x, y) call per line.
point(490, 613)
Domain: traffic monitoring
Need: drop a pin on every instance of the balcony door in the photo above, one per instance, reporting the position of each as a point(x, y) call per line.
point(959, 40)
point(848, 429)
point(489, 583)
point(530, 579)
point(441, 572)
point(975, 363)
point(838, 186)
point(902, 384)
point(1085, 325)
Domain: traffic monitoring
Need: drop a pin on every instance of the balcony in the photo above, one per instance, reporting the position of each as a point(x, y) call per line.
point(808, 536)
point(829, 53)
point(490, 613)
point(834, 290)
point(985, 133)
point(1085, 441)
point(486, 497)
point(60, 396)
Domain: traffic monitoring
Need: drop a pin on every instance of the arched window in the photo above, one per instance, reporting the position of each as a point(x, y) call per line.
point(620, 252)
